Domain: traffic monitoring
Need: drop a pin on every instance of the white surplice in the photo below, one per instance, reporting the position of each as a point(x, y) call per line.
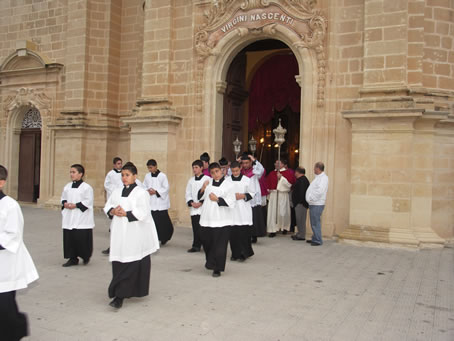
point(16, 265)
point(131, 240)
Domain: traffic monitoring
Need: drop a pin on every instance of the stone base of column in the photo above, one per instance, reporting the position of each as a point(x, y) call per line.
point(392, 235)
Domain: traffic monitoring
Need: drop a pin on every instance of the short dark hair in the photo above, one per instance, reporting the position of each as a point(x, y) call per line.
point(235, 164)
point(300, 170)
point(205, 157)
point(223, 161)
point(284, 161)
point(214, 165)
point(152, 162)
point(3, 173)
point(79, 168)
point(130, 167)
point(320, 166)
point(116, 159)
point(197, 163)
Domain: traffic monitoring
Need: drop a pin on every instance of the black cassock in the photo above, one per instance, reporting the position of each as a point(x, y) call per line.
point(164, 225)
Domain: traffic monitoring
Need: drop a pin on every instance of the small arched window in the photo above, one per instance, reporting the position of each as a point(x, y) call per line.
point(32, 119)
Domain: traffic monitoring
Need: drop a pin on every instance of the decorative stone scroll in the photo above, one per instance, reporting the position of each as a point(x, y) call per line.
point(263, 16)
point(27, 97)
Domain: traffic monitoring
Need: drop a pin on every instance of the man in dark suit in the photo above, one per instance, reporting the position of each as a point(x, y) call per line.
point(299, 202)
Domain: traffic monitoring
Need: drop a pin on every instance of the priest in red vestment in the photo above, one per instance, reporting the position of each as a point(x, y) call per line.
point(279, 183)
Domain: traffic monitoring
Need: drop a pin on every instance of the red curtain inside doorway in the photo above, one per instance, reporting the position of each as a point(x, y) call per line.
point(273, 87)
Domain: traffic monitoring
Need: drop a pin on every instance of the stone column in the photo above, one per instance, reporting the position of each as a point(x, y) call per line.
point(153, 126)
point(393, 132)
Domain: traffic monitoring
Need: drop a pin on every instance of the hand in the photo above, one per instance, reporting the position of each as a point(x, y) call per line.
point(279, 175)
point(205, 184)
point(239, 196)
point(66, 205)
point(121, 212)
point(213, 197)
point(196, 204)
point(252, 158)
point(152, 191)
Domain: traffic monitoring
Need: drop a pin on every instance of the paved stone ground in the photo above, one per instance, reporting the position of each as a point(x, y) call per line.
point(287, 291)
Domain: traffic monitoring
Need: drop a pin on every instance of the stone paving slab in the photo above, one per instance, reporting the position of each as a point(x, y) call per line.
point(287, 291)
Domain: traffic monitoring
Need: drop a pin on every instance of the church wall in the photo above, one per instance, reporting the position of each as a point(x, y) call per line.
point(390, 56)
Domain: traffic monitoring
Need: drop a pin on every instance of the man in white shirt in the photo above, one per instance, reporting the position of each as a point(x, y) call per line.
point(316, 198)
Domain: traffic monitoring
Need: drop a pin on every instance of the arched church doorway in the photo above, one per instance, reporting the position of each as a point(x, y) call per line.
point(261, 89)
point(30, 156)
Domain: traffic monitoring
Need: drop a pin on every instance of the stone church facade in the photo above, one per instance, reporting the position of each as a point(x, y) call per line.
point(82, 81)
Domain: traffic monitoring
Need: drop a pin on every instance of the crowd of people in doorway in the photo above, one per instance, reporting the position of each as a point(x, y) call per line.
point(229, 203)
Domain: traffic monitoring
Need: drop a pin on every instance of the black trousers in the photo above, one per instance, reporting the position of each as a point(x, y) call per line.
point(78, 243)
point(130, 279)
point(214, 241)
point(195, 221)
point(13, 324)
point(240, 242)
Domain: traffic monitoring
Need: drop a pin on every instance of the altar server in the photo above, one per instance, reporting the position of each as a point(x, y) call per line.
point(112, 182)
point(133, 239)
point(77, 218)
point(206, 162)
point(254, 170)
point(225, 167)
point(157, 186)
point(241, 232)
point(16, 266)
point(113, 177)
point(216, 218)
point(192, 188)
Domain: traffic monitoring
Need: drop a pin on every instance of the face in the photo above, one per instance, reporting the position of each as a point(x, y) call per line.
point(277, 164)
point(236, 171)
point(2, 184)
point(196, 170)
point(216, 173)
point(127, 177)
point(317, 171)
point(298, 175)
point(205, 164)
point(74, 174)
point(152, 169)
point(246, 163)
point(118, 164)
point(224, 170)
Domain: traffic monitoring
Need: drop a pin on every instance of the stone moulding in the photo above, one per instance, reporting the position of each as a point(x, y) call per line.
point(27, 97)
point(306, 21)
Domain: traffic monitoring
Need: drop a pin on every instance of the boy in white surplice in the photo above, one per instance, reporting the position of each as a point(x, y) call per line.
point(16, 266)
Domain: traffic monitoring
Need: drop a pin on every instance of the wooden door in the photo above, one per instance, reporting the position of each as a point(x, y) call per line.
point(234, 98)
point(29, 164)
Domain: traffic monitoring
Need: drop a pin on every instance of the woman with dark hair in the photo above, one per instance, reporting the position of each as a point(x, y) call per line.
point(77, 218)
point(133, 238)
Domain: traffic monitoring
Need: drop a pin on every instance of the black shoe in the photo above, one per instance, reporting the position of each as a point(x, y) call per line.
point(284, 231)
point(309, 241)
point(271, 235)
point(71, 262)
point(116, 303)
point(315, 244)
point(241, 259)
point(253, 240)
point(86, 261)
point(106, 251)
point(233, 259)
point(193, 249)
point(294, 237)
point(163, 243)
point(216, 274)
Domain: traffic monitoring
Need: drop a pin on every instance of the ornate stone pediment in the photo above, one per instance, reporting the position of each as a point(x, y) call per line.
point(263, 17)
point(27, 97)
